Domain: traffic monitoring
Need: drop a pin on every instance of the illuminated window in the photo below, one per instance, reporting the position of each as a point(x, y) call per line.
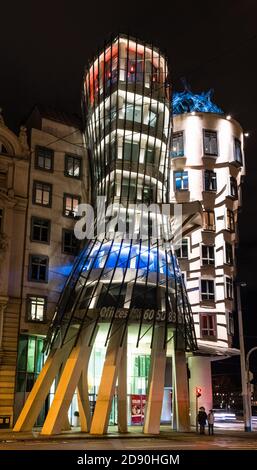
point(69, 242)
point(182, 251)
point(177, 144)
point(29, 362)
point(40, 230)
point(72, 166)
point(135, 69)
point(210, 143)
point(210, 181)
point(38, 268)
point(238, 151)
point(233, 187)
point(42, 194)
point(132, 112)
point(229, 287)
point(36, 308)
point(70, 205)
point(181, 180)
point(229, 253)
point(149, 155)
point(207, 289)
point(208, 254)
point(111, 71)
point(208, 325)
point(209, 220)
point(44, 158)
point(230, 220)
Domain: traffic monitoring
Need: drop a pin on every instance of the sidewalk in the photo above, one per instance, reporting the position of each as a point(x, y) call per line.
point(134, 432)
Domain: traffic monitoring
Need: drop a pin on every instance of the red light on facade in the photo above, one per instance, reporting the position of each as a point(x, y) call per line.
point(198, 392)
point(132, 69)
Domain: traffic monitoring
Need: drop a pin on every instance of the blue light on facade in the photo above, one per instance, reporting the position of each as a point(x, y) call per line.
point(187, 102)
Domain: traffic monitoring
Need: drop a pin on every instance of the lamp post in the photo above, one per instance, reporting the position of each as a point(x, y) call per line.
point(248, 383)
point(246, 410)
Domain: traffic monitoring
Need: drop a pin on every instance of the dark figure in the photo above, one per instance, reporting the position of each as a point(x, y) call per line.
point(202, 418)
point(210, 419)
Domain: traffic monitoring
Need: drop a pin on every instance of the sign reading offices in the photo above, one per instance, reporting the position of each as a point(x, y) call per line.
point(135, 314)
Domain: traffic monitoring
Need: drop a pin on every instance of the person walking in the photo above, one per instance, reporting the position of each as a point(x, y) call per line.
point(210, 419)
point(202, 418)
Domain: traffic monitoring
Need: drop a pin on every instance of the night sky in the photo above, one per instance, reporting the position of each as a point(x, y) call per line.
point(45, 46)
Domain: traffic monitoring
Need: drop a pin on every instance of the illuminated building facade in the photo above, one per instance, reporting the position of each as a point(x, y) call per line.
point(207, 169)
point(126, 281)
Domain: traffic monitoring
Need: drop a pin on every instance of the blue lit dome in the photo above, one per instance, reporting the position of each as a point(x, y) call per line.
point(186, 102)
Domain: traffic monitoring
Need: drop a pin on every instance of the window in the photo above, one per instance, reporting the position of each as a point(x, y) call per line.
point(128, 189)
point(210, 181)
point(70, 205)
point(38, 268)
point(209, 220)
point(177, 144)
point(72, 166)
point(29, 361)
point(181, 180)
point(208, 257)
point(147, 194)
point(182, 251)
point(233, 187)
point(207, 289)
point(149, 155)
point(40, 230)
point(230, 220)
point(152, 119)
point(42, 194)
point(69, 242)
point(135, 67)
point(229, 253)
point(111, 70)
point(36, 308)
point(210, 143)
point(1, 219)
point(133, 113)
point(238, 151)
point(113, 296)
point(44, 158)
point(229, 287)
point(208, 325)
point(231, 328)
point(131, 151)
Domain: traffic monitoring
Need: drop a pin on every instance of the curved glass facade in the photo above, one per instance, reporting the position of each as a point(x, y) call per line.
point(129, 268)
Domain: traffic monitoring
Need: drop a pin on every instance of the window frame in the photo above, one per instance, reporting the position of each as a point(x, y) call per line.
point(211, 179)
point(229, 287)
point(63, 235)
point(34, 189)
point(207, 293)
point(238, 143)
point(209, 227)
point(180, 248)
point(32, 220)
point(230, 221)
point(210, 154)
point(181, 172)
point(74, 157)
point(72, 196)
point(28, 305)
point(208, 337)
point(208, 258)
point(232, 186)
point(41, 281)
point(183, 145)
point(37, 166)
point(229, 260)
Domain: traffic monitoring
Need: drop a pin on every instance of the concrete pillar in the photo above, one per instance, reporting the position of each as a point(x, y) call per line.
point(179, 371)
point(82, 391)
point(102, 411)
point(200, 376)
point(156, 383)
point(40, 390)
point(67, 384)
point(122, 391)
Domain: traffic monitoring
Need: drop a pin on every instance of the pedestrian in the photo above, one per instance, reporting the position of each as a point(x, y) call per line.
point(210, 419)
point(202, 418)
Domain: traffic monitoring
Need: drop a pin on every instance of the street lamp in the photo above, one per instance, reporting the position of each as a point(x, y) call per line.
point(249, 384)
point(246, 410)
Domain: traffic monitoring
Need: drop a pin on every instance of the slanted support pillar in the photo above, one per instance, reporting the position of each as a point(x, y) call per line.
point(40, 390)
point(179, 370)
point(122, 391)
point(114, 352)
point(67, 384)
point(156, 383)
